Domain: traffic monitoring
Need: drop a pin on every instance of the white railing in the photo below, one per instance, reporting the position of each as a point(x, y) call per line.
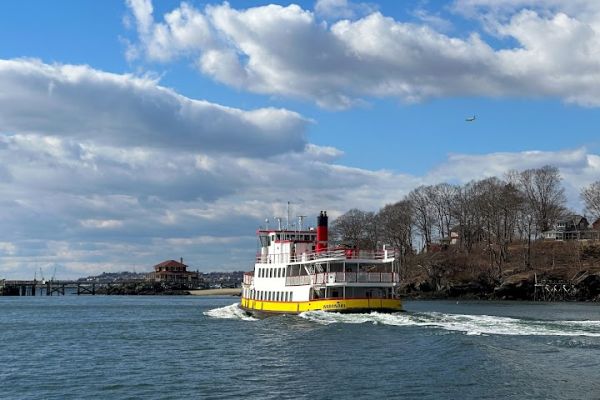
point(248, 278)
point(298, 280)
point(344, 254)
point(343, 277)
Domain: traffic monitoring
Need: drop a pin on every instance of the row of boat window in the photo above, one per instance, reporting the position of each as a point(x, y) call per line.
point(271, 272)
point(268, 295)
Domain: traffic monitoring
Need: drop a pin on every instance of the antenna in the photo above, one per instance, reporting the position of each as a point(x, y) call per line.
point(266, 224)
point(278, 222)
point(287, 222)
point(300, 221)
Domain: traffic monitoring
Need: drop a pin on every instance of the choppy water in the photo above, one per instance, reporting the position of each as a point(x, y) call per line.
point(191, 347)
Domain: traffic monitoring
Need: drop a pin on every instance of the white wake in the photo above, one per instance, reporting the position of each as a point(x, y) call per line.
point(229, 312)
point(469, 324)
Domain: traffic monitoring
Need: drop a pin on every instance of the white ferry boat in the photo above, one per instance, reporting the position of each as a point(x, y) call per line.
point(295, 271)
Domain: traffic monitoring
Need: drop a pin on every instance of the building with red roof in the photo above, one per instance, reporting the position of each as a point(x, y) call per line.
point(174, 272)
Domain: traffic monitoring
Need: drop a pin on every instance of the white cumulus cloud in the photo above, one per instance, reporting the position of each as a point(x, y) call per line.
point(288, 51)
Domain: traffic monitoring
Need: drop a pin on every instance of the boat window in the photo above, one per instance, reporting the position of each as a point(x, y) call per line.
point(285, 296)
point(264, 240)
point(291, 296)
point(277, 296)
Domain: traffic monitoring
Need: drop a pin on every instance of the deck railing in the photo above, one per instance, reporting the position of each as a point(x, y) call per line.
point(343, 277)
point(248, 278)
point(344, 254)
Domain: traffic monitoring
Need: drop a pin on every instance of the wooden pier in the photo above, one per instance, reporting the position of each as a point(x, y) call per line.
point(548, 290)
point(56, 287)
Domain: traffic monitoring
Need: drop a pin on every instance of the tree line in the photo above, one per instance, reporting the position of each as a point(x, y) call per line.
point(490, 213)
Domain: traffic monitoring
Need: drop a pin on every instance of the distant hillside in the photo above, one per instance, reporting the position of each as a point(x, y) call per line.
point(115, 277)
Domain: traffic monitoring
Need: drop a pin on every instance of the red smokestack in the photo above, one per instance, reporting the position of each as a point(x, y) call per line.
point(322, 232)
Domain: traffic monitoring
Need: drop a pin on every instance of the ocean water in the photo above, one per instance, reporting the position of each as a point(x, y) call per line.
point(111, 347)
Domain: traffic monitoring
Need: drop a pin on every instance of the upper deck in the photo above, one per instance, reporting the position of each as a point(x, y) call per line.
point(384, 255)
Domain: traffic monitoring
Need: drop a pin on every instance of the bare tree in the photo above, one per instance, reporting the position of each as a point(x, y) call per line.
point(357, 228)
point(467, 213)
point(499, 204)
point(372, 232)
point(396, 225)
point(546, 197)
point(591, 197)
point(423, 213)
point(441, 196)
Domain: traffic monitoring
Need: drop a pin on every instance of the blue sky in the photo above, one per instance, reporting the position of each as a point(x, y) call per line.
point(136, 131)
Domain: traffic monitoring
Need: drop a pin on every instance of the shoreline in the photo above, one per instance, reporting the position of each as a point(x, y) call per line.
point(216, 292)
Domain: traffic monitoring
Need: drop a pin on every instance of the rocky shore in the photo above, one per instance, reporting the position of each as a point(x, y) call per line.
point(584, 286)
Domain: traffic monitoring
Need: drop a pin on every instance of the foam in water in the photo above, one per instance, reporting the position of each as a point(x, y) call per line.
point(229, 312)
point(469, 324)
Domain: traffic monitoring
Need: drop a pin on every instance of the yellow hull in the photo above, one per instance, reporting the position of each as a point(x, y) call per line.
point(333, 305)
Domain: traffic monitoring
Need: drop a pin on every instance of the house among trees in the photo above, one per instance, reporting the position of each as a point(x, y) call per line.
point(174, 272)
point(573, 227)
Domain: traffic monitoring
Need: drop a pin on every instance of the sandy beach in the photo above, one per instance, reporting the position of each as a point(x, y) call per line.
point(217, 292)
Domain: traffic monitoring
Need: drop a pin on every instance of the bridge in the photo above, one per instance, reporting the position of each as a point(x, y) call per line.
point(57, 287)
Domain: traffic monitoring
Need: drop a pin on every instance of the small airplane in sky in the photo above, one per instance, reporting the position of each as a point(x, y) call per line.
point(470, 119)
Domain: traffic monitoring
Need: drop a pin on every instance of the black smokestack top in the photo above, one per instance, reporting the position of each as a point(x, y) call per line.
point(322, 235)
point(322, 219)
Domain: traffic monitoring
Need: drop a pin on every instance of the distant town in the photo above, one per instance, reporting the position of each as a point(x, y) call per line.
point(173, 272)
point(169, 277)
